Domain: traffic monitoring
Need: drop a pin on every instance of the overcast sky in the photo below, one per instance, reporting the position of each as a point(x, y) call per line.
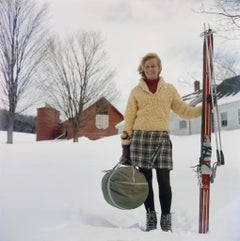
point(132, 28)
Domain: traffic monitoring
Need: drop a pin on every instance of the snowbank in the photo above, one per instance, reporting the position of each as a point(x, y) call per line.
point(51, 191)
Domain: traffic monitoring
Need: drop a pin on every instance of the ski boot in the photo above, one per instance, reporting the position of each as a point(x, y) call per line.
point(166, 222)
point(151, 221)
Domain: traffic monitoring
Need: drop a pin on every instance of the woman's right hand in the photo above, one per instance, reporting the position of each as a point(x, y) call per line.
point(125, 158)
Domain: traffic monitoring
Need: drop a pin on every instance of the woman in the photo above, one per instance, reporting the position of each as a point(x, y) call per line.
point(145, 138)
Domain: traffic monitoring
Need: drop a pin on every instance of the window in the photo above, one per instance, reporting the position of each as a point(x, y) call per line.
point(102, 107)
point(224, 120)
point(102, 122)
point(102, 117)
point(182, 124)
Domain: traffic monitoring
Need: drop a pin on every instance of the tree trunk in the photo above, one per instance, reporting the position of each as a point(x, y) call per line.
point(10, 129)
point(75, 129)
point(75, 134)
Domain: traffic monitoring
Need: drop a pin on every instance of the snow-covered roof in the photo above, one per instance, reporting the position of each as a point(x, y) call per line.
point(227, 92)
point(229, 99)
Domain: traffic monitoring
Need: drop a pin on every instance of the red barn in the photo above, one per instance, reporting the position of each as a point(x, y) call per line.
point(99, 120)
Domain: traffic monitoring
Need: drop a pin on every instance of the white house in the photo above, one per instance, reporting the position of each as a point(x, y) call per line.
point(228, 93)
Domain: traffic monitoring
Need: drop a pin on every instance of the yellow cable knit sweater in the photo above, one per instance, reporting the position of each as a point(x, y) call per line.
point(150, 112)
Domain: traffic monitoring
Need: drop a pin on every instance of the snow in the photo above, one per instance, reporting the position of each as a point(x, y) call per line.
point(51, 191)
point(229, 99)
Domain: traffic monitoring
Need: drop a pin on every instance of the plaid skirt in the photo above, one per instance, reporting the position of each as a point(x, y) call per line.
point(151, 149)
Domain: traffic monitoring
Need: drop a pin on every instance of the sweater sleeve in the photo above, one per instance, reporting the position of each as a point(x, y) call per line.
point(130, 116)
point(182, 109)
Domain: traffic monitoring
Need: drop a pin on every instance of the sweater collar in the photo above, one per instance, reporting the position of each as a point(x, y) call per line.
point(144, 86)
point(152, 84)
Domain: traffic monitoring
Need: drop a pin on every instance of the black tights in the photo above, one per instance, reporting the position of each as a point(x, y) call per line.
point(165, 193)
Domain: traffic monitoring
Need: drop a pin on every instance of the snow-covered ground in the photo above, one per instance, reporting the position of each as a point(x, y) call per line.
point(51, 191)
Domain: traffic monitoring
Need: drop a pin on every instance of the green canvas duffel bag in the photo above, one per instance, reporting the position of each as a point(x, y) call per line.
point(124, 187)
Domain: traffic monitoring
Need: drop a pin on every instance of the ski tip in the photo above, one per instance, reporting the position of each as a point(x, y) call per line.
point(207, 32)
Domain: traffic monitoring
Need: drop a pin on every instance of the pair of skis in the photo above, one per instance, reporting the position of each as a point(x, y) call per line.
point(210, 118)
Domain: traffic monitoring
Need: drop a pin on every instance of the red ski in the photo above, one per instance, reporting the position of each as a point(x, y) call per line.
point(210, 117)
point(206, 149)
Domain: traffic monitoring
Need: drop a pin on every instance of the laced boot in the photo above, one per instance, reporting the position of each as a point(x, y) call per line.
point(166, 222)
point(151, 221)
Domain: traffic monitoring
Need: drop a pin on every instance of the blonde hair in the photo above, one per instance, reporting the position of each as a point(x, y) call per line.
point(147, 57)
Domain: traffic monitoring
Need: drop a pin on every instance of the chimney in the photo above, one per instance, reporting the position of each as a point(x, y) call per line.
point(196, 85)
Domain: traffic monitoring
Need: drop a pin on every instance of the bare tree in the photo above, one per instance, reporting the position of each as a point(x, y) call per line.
point(22, 33)
point(78, 75)
point(227, 12)
point(225, 66)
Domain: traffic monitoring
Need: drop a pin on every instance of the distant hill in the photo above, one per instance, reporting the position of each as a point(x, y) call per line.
point(23, 123)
